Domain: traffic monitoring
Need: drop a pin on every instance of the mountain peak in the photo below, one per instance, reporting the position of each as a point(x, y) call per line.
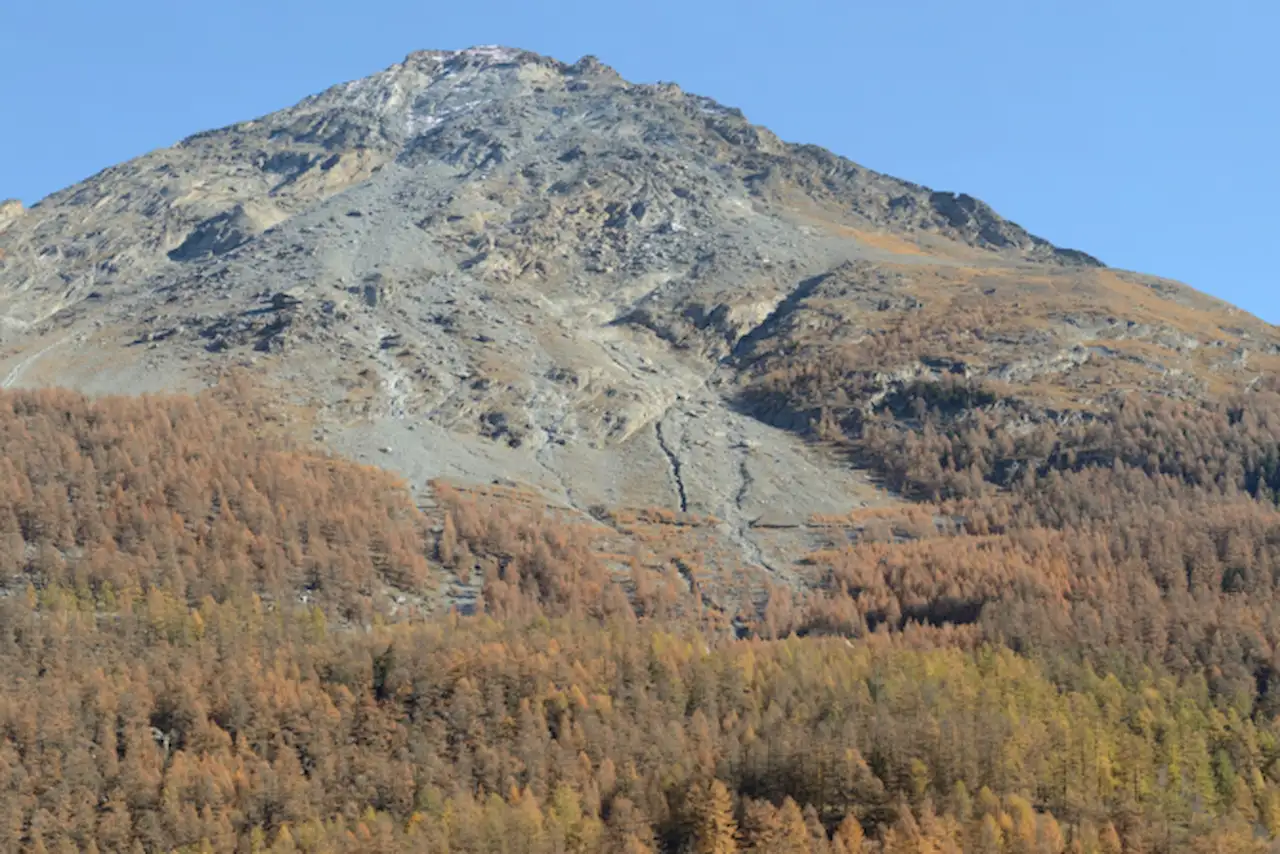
point(477, 56)
point(490, 52)
point(431, 86)
point(489, 55)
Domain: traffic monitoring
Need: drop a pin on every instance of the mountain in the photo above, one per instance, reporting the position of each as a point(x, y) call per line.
point(534, 461)
point(490, 264)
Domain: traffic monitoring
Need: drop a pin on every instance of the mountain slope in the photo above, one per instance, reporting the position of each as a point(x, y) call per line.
point(489, 264)
point(751, 498)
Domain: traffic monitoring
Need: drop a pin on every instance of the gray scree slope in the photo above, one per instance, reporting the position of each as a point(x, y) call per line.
point(483, 264)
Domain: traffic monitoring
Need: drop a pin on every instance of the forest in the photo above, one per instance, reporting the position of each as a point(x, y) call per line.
point(215, 638)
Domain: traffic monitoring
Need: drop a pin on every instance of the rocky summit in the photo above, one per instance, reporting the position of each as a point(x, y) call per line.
point(488, 265)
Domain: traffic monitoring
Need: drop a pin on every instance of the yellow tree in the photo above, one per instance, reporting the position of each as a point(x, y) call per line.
point(768, 830)
point(849, 838)
point(795, 833)
point(761, 828)
point(628, 829)
point(711, 812)
point(990, 838)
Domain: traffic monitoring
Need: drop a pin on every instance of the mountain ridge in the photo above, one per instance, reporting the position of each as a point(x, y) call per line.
point(383, 93)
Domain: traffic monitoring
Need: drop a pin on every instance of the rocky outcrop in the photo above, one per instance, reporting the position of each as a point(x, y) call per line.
point(226, 231)
point(10, 211)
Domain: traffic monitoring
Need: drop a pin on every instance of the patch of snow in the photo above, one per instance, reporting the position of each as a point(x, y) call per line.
point(493, 52)
point(417, 125)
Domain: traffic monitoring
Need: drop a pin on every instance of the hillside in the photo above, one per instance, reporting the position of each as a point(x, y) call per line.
point(489, 264)
point(496, 455)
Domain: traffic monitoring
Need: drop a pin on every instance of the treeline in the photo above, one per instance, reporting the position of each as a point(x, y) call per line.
point(933, 439)
point(196, 497)
point(528, 560)
point(1139, 535)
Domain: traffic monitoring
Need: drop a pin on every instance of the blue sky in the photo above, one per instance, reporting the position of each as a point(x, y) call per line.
point(1146, 133)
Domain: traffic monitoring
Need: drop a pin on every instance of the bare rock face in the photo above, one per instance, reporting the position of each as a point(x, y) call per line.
point(225, 231)
point(490, 264)
point(10, 210)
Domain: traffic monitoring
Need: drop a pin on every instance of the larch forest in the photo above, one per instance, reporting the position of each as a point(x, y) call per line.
point(1055, 629)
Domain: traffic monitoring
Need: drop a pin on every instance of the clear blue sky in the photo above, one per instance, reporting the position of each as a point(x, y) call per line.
point(1144, 132)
